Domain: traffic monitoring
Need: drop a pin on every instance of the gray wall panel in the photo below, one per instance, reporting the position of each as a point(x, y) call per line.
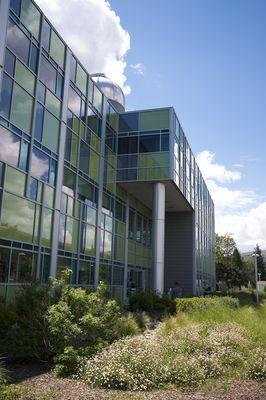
point(179, 251)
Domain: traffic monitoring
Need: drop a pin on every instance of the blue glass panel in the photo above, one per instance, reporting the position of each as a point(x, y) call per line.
point(34, 55)
point(74, 102)
point(48, 74)
point(39, 122)
point(46, 34)
point(41, 92)
point(15, 6)
point(40, 165)
point(59, 86)
point(165, 142)
point(33, 192)
point(24, 151)
point(17, 41)
point(5, 97)
point(10, 63)
point(53, 169)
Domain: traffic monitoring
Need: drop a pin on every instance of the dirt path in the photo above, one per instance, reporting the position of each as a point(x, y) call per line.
point(44, 385)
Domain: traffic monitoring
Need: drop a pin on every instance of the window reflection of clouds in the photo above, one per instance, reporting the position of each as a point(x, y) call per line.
point(40, 165)
point(17, 218)
point(9, 146)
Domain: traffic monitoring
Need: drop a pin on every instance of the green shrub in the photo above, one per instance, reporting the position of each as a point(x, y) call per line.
point(10, 393)
point(191, 305)
point(152, 303)
point(3, 373)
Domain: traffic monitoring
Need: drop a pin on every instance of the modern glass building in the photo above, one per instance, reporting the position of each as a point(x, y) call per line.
point(113, 195)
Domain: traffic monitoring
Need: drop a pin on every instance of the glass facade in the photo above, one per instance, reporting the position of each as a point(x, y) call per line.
point(65, 154)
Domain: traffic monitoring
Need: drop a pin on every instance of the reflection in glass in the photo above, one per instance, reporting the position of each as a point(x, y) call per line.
point(23, 267)
point(9, 146)
point(17, 41)
point(40, 165)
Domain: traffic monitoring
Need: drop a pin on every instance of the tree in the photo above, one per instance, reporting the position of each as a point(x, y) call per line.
point(230, 267)
point(260, 262)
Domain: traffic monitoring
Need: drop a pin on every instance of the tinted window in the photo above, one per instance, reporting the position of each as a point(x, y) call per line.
point(9, 146)
point(15, 6)
point(39, 122)
point(46, 34)
point(127, 161)
point(128, 145)
point(48, 74)
point(84, 157)
point(74, 102)
point(9, 63)
point(40, 165)
point(5, 98)
point(149, 143)
point(18, 42)
point(128, 122)
point(165, 142)
point(34, 58)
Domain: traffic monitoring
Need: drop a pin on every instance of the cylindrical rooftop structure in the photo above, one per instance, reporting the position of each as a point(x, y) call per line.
point(112, 91)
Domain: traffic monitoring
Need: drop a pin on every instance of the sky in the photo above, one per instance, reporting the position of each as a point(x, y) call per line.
point(207, 59)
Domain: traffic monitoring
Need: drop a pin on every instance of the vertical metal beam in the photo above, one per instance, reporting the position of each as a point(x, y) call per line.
point(100, 197)
point(171, 142)
point(126, 252)
point(60, 166)
point(158, 222)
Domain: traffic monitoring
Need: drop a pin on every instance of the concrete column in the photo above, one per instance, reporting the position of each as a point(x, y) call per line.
point(158, 221)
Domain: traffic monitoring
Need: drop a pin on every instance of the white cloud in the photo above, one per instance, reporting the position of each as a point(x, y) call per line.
point(138, 68)
point(236, 211)
point(238, 165)
point(211, 170)
point(94, 33)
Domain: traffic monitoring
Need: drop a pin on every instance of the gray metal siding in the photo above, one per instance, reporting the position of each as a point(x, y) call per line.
point(179, 251)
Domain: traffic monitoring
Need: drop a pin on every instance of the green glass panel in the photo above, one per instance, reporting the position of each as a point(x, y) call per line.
point(90, 240)
point(107, 245)
point(153, 160)
point(120, 249)
point(49, 196)
point(53, 104)
point(94, 166)
point(152, 120)
point(77, 209)
point(40, 189)
point(15, 181)
point(111, 158)
point(81, 79)
point(22, 106)
point(17, 219)
point(97, 99)
point(113, 119)
point(111, 179)
point(57, 49)
point(25, 78)
point(153, 173)
point(74, 150)
point(120, 228)
point(91, 215)
point(70, 205)
point(82, 130)
point(36, 224)
point(75, 125)
point(95, 143)
point(47, 227)
point(51, 127)
point(71, 237)
point(31, 17)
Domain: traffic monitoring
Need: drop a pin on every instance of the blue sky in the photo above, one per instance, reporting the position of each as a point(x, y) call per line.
point(207, 58)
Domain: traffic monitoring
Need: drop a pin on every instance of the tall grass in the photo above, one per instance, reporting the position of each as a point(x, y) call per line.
point(252, 318)
point(3, 373)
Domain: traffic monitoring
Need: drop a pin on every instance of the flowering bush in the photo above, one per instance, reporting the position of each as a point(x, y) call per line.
point(185, 356)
